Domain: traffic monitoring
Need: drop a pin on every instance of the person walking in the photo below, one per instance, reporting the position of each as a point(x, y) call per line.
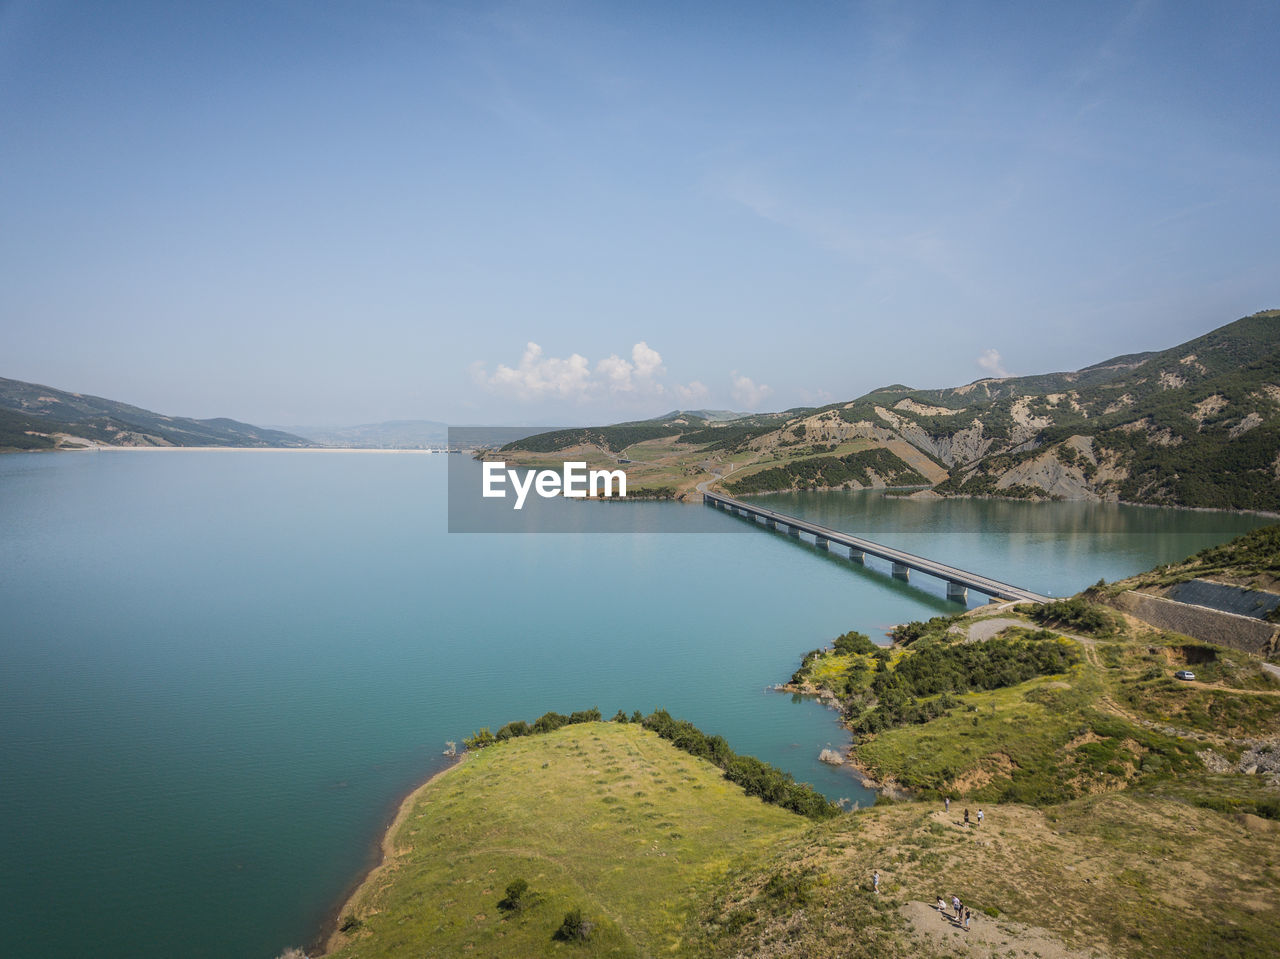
point(955, 906)
point(875, 881)
point(966, 819)
point(946, 804)
point(980, 817)
point(968, 914)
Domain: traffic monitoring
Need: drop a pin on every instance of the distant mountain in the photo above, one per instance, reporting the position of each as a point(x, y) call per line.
point(40, 417)
point(710, 416)
point(412, 435)
point(393, 434)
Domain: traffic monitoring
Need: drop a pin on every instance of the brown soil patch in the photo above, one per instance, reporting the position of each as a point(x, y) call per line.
point(987, 936)
point(1088, 737)
point(995, 765)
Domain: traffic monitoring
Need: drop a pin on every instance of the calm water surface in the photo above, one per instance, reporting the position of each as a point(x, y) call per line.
point(220, 671)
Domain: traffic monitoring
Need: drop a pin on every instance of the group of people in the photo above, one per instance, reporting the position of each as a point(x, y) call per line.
point(960, 915)
point(946, 806)
point(963, 914)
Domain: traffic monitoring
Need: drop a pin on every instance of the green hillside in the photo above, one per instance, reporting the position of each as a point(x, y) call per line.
point(39, 417)
point(1194, 425)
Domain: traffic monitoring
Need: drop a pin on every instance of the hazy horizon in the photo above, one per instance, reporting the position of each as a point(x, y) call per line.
point(308, 213)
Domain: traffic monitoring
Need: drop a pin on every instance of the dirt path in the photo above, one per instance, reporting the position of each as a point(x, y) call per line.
point(987, 628)
point(987, 937)
point(1218, 687)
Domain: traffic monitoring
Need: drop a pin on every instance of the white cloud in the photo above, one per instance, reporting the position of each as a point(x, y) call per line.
point(747, 393)
point(647, 361)
point(692, 394)
point(615, 373)
point(630, 381)
point(620, 376)
point(538, 376)
point(990, 362)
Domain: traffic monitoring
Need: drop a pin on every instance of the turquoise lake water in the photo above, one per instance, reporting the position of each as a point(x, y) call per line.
point(221, 671)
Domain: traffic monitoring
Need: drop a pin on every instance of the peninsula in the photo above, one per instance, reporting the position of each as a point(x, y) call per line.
point(1051, 772)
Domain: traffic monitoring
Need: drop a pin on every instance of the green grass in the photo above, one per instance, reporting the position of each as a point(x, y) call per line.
point(603, 817)
point(991, 741)
point(663, 857)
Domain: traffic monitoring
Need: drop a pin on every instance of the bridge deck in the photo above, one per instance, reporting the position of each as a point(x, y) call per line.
point(982, 584)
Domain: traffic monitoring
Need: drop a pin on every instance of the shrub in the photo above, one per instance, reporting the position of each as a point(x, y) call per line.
point(574, 928)
point(512, 730)
point(479, 740)
point(1075, 613)
point(755, 777)
point(517, 896)
point(854, 642)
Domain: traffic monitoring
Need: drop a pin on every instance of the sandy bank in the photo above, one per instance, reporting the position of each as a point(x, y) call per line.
point(331, 937)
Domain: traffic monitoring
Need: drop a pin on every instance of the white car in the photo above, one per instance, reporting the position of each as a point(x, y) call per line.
point(1184, 674)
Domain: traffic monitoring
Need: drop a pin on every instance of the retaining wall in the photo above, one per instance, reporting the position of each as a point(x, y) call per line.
point(1199, 622)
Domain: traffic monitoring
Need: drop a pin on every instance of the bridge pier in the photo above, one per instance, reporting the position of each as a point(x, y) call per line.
point(958, 581)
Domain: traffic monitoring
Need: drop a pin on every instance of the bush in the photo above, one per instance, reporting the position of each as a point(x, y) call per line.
point(1075, 613)
point(517, 896)
point(755, 777)
point(574, 928)
point(512, 730)
point(854, 642)
point(479, 740)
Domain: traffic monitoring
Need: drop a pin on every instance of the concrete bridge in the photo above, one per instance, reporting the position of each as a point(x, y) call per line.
point(959, 581)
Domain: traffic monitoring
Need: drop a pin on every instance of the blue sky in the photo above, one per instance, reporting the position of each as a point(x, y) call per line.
point(308, 212)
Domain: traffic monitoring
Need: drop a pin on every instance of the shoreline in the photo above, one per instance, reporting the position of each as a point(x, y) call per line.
point(892, 492)
point(852, 764)
point(327, 940)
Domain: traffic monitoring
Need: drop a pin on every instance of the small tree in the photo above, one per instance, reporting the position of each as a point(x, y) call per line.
point(574, 928)
point(517, 896)
point(479, 740)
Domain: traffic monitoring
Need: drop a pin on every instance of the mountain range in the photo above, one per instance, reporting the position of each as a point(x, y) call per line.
point(1195, 425)
point(34, 417)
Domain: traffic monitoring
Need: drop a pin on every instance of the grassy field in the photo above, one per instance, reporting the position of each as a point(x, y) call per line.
point(603, 817)
point(1125, 816)
point(665, 461)
point(665, 858)
point(1109, 875)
